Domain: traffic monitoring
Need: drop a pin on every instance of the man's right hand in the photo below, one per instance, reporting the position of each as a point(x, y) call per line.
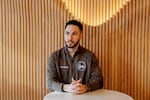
point(76, 87)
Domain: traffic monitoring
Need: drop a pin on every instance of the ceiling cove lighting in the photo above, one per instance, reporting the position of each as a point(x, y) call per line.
point(94, 12)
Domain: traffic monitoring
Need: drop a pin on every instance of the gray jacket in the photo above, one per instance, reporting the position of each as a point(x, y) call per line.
point(62, 67)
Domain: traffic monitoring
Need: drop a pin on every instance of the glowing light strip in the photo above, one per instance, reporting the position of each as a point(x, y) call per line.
point(94, 12)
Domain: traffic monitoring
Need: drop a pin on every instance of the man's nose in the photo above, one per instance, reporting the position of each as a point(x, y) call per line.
point(70, 36)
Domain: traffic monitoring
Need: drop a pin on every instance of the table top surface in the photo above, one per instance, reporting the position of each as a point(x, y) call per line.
point(102, 94)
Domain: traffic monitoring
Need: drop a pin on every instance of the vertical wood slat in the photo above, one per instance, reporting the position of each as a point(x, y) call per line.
point(1, 35)
point(34, 47)
point(28, 46)
point(3, 47)
point(21, 49)
point(7, 46)
point(44, 25)
point(31, 48)
point(145, 52)
point(131, 5)
point(147, 42)
point(31, 30)
point(10, 46)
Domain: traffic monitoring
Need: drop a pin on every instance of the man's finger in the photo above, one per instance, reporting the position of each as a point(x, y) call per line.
point(79, 81)
point(72, 79)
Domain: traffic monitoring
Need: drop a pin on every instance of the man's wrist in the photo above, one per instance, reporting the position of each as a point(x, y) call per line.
point(65, 88)
point(87, 87)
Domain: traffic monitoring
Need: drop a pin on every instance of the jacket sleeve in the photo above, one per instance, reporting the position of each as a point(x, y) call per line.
point(52, 76)
point(96, 78)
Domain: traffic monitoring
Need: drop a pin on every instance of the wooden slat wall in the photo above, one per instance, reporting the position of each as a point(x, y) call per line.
point(30, 30)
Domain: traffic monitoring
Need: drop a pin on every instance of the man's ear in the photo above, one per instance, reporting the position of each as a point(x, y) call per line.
point(81, 35)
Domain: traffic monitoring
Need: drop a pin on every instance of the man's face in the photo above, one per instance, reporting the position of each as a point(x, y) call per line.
point(72, 36)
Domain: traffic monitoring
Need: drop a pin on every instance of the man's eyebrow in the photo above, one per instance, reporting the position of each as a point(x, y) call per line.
point(66, 31)
point(72, 32)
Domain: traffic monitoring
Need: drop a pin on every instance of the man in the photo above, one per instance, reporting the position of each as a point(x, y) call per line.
point(73, 68)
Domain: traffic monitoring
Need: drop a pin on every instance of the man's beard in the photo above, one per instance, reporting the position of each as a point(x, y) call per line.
point(73, 45)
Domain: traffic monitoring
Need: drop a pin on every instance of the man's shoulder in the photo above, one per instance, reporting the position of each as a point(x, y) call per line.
point(89, 54)
point(57, 52)
point(87, 51)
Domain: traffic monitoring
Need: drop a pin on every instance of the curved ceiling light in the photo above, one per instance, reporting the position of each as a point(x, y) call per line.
point(94, 12)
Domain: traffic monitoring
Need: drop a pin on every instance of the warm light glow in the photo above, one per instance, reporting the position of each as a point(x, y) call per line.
point(94, 12)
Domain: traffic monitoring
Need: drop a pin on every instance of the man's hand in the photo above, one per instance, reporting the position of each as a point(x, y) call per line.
point(75, 87)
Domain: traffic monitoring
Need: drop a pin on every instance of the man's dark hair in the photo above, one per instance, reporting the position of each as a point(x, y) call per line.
point(74, 22)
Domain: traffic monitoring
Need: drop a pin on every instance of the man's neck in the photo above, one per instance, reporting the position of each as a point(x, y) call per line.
point(73, 50)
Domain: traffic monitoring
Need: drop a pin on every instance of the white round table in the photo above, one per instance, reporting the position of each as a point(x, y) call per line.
point(101, 94)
